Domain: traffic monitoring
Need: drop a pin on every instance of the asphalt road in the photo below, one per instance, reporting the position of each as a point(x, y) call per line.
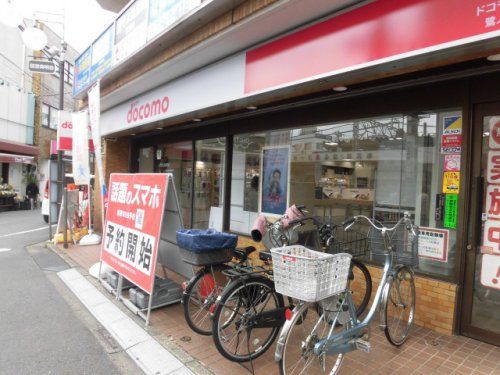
point(43, 327)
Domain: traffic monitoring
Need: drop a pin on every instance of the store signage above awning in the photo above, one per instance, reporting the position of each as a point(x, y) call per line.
point(379, 32)
point(368, 36)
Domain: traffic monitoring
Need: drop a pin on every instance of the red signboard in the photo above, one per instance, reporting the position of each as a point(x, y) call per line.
point(65, 133)
point(378, 32)
point(133, 225)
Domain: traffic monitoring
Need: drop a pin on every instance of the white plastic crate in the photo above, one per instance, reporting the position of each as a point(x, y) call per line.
point(309, 275)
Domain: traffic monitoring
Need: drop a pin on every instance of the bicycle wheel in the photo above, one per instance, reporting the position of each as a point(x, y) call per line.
point(298, 356)
point(200, 295)
point(400, 306)
point(360, 284)
point(234, 332)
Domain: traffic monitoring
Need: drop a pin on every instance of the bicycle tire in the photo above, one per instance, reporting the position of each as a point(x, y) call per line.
point(366, 281)
point(403, 273)
point(202, 325)
point(246, 289)
point(300, 322)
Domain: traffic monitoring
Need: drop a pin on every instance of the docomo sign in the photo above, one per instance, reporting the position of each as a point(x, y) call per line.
point(65, 133)
point(137, 113)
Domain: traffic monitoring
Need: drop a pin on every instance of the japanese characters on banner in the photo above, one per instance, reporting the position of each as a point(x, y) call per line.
point(133, 225)
point(490, 249)
point(433, 243)
point(80, 148)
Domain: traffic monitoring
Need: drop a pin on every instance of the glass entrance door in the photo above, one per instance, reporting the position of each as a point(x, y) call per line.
point(481, 305)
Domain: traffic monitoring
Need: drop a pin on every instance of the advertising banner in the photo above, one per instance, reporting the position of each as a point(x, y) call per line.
point(163, 13)
point(275, 175)
point(64, 131)
point(82, 71)
point(80, 148)
point(133, 224)
point(94, 95)
point(451, 143)
point(433, 244)
point(493, 171)
point(131, 31)
point(102, 54)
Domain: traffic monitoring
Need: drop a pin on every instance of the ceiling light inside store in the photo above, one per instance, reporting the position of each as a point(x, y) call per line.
point(197, 119)
point(251, 107)
point(486, 134)
point(132, 134)
point(331, 144)
point(339, 88)
point(159, 128)
point(494, 57)
point(399, 138)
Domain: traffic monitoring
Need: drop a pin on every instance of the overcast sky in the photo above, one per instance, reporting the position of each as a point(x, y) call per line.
point(84, 19)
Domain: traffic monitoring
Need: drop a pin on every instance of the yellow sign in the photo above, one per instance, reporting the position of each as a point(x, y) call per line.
point(451, 182)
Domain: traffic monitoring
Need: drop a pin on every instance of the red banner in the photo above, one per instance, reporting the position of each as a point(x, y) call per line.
point(380, 31)
point(133, 224)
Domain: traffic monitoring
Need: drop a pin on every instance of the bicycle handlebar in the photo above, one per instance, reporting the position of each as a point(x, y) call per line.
point(305, 218)
point(405, 219)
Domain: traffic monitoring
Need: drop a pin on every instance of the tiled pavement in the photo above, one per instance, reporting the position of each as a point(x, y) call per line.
point(426, 352)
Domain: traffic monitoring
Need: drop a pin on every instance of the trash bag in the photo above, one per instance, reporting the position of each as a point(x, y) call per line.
point(199, 241)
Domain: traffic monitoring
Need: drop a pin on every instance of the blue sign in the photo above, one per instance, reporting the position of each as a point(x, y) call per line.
point(82, 71)
point(102, 54)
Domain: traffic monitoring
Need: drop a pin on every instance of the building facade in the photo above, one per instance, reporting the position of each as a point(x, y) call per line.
point(17, 103)
point(363, 107)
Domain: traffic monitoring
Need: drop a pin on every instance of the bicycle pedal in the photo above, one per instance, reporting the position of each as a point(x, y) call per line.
point(363, 345)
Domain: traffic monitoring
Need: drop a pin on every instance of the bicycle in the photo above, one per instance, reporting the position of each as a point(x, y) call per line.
point(319, 346)
point(202, 290)
point(334, 241)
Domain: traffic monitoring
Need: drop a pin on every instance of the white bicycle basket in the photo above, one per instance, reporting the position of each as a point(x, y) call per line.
point(309, 275)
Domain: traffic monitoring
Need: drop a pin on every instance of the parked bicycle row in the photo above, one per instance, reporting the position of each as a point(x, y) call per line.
point(307, 288)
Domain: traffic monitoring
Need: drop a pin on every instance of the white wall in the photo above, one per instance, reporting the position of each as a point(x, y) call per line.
point(16, 114)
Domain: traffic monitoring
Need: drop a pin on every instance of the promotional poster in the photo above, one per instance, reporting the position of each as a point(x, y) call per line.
point(275, 176)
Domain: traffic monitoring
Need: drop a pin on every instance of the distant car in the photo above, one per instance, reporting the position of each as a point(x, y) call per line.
point(45, 202)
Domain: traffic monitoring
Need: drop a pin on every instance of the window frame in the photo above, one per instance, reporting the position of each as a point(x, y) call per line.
point(49, 115)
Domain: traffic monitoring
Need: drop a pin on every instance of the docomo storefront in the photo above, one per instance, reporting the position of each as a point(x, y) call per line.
point(381, 148)
point(140, 112)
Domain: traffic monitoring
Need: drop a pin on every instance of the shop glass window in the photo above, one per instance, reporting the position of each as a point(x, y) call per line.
point(177, 158)
point(45, 115)
point(379, 167)
point(49, 116)
point(209, 183)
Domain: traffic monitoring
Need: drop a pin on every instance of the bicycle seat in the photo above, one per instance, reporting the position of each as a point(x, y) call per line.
point(265, 256)
point(242, 253)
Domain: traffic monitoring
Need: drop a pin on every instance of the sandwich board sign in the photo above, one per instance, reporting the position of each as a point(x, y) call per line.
point(142, 218)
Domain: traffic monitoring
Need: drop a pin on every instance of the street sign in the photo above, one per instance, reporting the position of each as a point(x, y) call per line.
point(42, 66)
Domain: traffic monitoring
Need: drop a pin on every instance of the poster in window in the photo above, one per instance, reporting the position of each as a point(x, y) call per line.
point(433, 244)
point(275, 180)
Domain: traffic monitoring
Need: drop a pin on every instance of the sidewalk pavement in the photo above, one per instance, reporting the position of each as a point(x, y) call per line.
point(426, 352)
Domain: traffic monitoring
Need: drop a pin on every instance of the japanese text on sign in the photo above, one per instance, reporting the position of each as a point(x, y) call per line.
point(433, 244)
point(451, 182)
point(488, 11)
point(131, 246)
point(451, 211)
point(490, 271)
point(133, 224)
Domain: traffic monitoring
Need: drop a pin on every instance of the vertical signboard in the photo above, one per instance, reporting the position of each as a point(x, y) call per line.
point(490, 249)
point(133, 225)
point(164, 13)
point(102, 54)
point(82, 71)
point(130, 30)
point(64, 131)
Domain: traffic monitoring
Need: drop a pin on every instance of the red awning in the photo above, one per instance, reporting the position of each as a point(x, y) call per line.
point(18, 148)
point(12, 158)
